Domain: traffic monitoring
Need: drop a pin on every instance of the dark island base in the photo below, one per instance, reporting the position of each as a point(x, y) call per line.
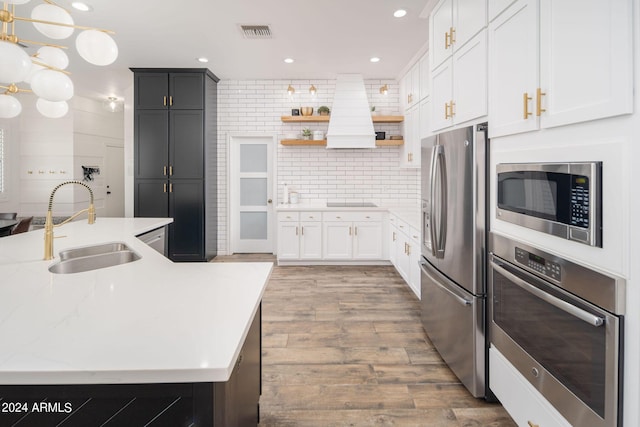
point(231, 403)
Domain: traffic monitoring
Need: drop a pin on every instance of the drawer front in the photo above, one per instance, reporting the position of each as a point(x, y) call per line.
point(288, 216)
point(403, 226)
point(351, 216)
point(414, 235)
point(311, 216)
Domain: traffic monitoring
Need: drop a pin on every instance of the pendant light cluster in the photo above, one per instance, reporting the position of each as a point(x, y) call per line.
point(45, 71)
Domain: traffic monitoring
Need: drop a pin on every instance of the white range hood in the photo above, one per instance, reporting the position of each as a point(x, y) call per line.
point(350, 124)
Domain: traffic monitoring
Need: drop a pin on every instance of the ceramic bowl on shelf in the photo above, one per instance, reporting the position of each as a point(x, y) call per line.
point(306, 111)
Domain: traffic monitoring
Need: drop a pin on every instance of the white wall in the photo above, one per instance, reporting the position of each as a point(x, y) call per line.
point(314, 172)
point(44, 152)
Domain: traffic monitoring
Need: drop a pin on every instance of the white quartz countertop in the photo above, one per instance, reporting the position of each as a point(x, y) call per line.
point(147, 321)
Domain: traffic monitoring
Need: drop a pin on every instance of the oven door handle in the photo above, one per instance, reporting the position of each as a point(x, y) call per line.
point(458, 298)
point(556, 302)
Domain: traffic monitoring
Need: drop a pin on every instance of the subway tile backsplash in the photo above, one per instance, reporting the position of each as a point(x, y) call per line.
point(255, 106)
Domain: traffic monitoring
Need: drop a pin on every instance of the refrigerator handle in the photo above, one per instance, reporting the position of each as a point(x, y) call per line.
point(432, 202)
point(458, 298)
point(442, 222)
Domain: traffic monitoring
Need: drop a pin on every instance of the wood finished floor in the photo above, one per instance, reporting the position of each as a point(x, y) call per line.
point(344, 346)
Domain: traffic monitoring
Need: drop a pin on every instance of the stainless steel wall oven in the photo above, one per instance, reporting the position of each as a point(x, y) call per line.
point(560, 324)
point(561, 199)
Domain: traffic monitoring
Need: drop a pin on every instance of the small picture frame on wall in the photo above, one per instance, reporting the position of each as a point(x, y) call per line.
point(295, 112)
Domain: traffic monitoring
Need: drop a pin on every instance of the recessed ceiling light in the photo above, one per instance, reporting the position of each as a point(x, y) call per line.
point(203, 60)
point(289, 60)
point(83, 7)
point(399, 13)
point(375, 59)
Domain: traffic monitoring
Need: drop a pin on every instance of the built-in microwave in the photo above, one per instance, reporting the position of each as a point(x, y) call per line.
point(561, 199)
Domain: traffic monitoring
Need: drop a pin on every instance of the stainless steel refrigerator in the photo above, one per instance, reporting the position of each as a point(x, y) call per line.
point(454, 225)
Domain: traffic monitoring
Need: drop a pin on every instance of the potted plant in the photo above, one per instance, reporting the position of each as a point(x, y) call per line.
point(323, 110)
point(306, 133)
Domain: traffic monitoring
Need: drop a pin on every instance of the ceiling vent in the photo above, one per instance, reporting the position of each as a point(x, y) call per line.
point(256, 31)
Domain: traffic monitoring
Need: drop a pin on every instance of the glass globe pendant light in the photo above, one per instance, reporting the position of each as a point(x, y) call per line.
point(45, 71)
point(10, 107)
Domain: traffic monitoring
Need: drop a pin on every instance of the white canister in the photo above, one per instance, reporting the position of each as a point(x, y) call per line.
point(293, 197)
point(318, 135)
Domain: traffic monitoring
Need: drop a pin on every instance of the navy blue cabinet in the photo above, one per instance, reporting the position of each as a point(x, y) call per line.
point(175, 141)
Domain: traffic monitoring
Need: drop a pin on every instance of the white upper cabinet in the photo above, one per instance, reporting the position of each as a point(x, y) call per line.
point(513, 69)
point(425, 76)
point(453, 23)
point(586, 60)
point(411, 85)
point(459, 85)
point(410, 150)
point(583, 70)
point(496, 7)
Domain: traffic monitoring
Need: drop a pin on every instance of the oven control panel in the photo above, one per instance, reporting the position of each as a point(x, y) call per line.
point(540, 264)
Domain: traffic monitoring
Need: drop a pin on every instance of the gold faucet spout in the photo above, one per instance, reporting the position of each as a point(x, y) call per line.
point(48, 223)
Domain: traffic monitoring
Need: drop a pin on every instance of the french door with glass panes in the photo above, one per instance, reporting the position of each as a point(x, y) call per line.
point(251, 194)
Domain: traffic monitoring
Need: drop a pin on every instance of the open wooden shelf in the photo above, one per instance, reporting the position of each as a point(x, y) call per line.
point(323, 142)
point(325, 119)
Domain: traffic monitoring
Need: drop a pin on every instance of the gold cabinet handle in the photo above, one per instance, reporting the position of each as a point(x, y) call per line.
point(164, 101)
point(452, 109)
point(296, 231)
point(171, 187)
point(531, 424)
point(452, 36)
point(525, 103)
point(302, 231)
point(349, 231)
point(356, 231)
point(394, 236)
point(446, 111)
point(539, 109)
point(164, 171)
point(170, 170)
point(405, 248)
point(408, 249)
point(164, 187)
point(447, 40)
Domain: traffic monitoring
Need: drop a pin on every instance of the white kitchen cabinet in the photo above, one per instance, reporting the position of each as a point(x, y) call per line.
point(352, 236)
point(523, 402)
point(414, 252)
point(583, 71)
point(459, 85)
point(513, 69)
point(425, 76)
point(411, 86)
point(338, 238)
point(410, 150)
point(496, 7)
point(310, 240)
point(453, 23)
point(299, 236)
point(393, 236)
point(367, 240)
point(405, 243)
point(424, 128)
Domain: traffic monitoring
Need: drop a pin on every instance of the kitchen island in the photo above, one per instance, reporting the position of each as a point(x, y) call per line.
point(143, 339)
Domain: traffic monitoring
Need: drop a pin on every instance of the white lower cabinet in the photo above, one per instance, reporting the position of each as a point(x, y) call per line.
point(299, 236)
point(405, 246)
point(332, 236)
point(521, 400)
point(352, 236)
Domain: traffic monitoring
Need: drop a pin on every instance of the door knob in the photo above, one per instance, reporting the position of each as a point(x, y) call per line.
point(269, 201)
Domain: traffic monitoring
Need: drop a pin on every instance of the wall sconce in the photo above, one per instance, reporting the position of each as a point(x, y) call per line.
point(313, 90)
point(291, 90)
point(113, 105)
point(384, 90)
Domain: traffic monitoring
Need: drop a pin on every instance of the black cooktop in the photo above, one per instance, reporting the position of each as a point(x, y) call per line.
point(351, 205)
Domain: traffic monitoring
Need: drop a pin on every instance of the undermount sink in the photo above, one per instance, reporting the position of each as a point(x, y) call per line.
point(88, 258)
